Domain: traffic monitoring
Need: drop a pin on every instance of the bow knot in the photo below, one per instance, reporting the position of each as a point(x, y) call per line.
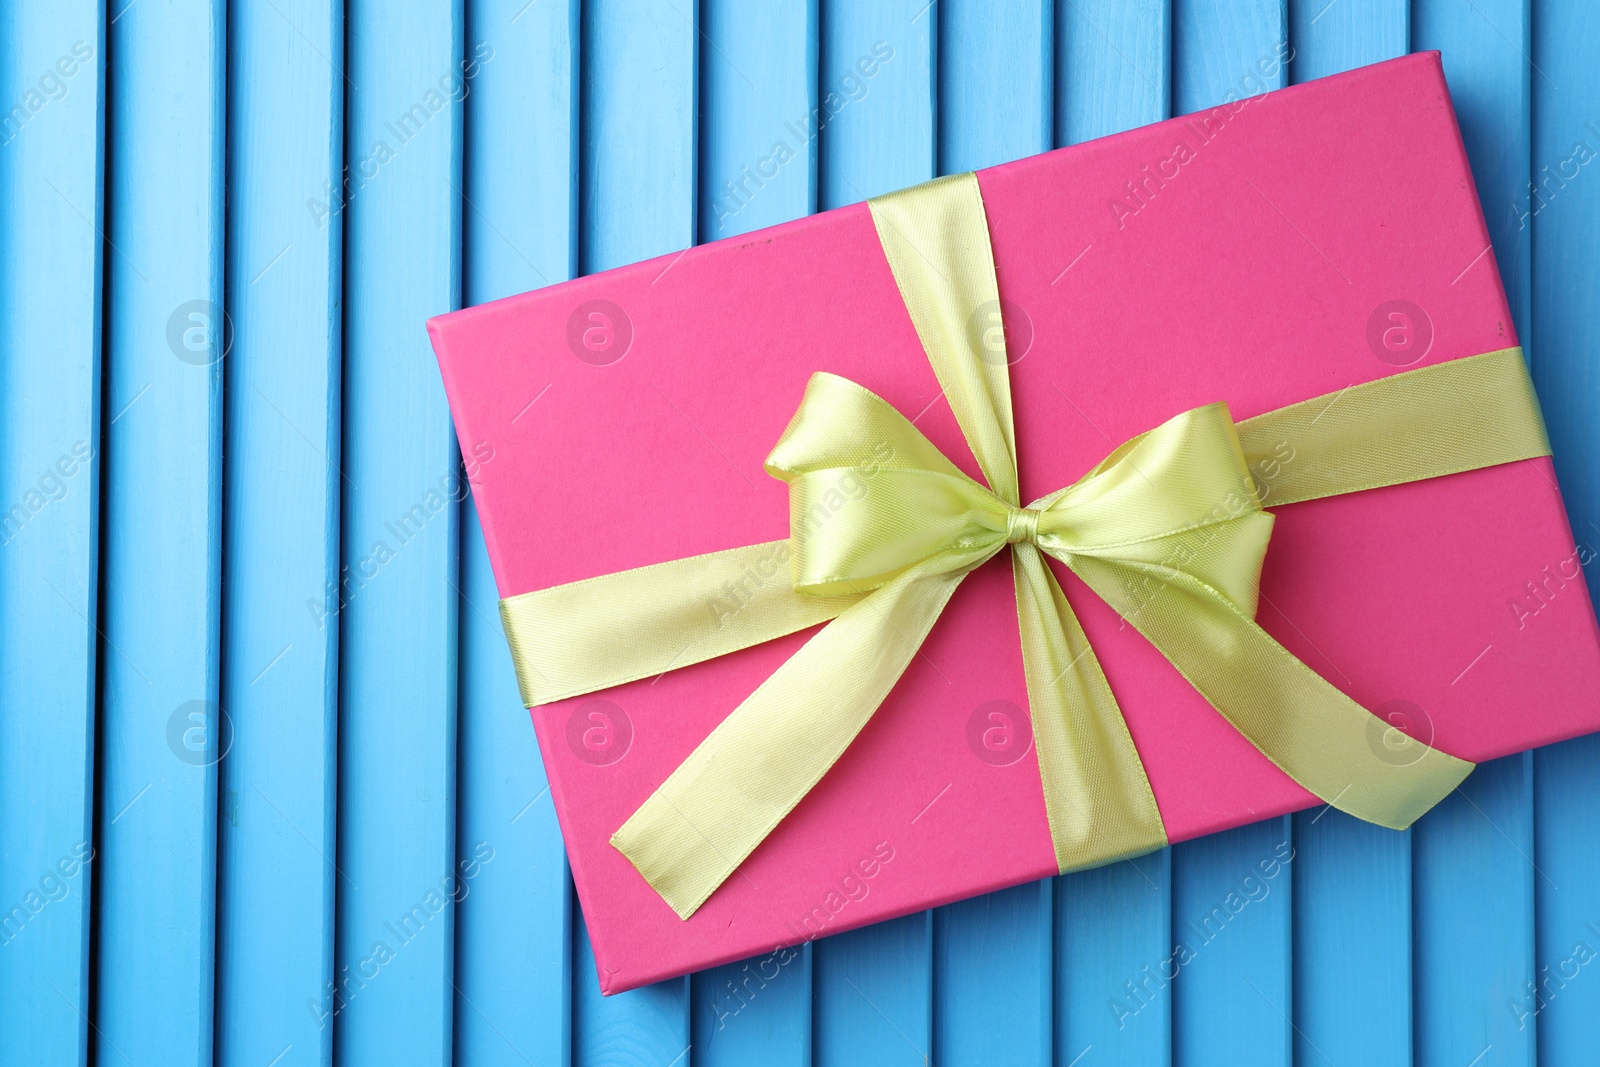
point(1022, 524)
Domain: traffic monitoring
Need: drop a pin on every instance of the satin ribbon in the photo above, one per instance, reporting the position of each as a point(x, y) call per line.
point(1169, 529)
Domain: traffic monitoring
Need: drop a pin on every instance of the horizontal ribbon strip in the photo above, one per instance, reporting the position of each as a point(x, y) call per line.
point(1168, 529)
point(591, 635)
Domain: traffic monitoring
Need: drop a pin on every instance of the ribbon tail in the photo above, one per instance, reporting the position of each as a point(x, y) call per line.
point(697, 828)
point(1329, 744)
point(1096, 795)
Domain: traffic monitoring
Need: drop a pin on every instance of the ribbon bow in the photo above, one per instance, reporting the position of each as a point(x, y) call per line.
point(1168, 529)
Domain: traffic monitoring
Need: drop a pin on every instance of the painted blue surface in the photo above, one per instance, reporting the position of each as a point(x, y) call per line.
point(519, 230)
point(399, 877)
point(873, 988)
point(1565, 348)
point(214, 545)
point(161, 551)
point(1482, 836)
point(51, 183)
point(1231, 928)
point(281, 490)
point(1352, 880)
point(758, 160)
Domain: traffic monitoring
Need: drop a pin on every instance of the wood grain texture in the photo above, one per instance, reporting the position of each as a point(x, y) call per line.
point(993, 960)
point(1225, 50)
point(758, 92)
point(1232, 903)
point(397, 753)
point(1234, 999)
point(993, 977)
point(162, 545)
point(1115, 963)
point(757, 1010)
point(877, 132)
point(1472, 918)
point(985, 120)
point(1330, 36)
point(519, 230)
point(1473, 863)
point(640, 88)
point(758, 155)
point(1563, 213)
point(281, 536)
point(639, 1028)
point(874, 994)
point(51, 154)
point(1113, 926)
point(1352, 940)
point(758, 158)
point(639, 126)
point(1113, 67)
point(874, 987)
point(1352, 880)
point(184, 564)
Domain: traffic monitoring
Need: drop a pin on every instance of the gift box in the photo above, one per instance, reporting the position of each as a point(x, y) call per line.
point(1296, 245)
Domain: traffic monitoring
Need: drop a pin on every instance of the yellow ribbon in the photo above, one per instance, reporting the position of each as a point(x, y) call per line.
point(1168, 529)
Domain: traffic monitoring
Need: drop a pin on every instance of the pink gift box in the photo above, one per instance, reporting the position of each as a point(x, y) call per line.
point(1262, 253)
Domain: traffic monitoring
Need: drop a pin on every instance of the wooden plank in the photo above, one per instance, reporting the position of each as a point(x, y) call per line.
point(1352, 940)
point(1233, 1000)
point(161, 729)
point(1115, 955)
point(1561, 1005)
point(996, 82)
point(1333, 37)
point(1113, 926)
point(642, 1026)
point(758, 87)
point(281, 536)
point(397, 754)
point(993, 956)
point(1565, 347)
point(873, 995)
point(758, 82)
point(519, 218)
point(51, 56)
point(874, 987)
point(1473, 856)
point(1223, 50)
point(1232, 901)
point(1113, 69)
point(755, 1011)
point(637, 186)
point(994, 959)
point(1473, 870)
point(1352, 900)
point(640, 88)
point(877, 132)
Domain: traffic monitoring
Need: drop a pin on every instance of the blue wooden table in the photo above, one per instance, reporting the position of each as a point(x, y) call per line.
point(267, 795)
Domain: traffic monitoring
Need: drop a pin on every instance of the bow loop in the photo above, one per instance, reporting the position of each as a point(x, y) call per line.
point(854, 529)
point(871, 497)
point(840, 424)
point(1179, 497)
point(1186, 473)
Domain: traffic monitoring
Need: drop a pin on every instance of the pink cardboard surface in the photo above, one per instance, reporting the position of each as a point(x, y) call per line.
point(1259, 254)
